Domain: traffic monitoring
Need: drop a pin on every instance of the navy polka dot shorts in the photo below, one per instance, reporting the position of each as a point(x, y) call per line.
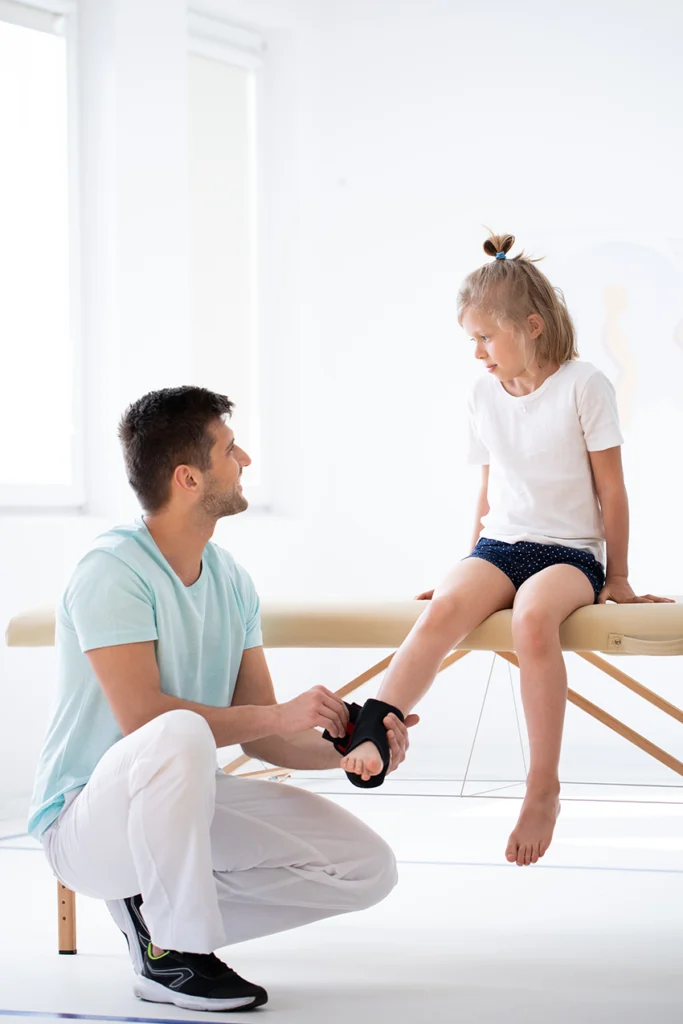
point(524, 559)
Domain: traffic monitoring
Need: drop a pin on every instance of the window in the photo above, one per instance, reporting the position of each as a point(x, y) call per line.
point(223, 235)
point(38, 420)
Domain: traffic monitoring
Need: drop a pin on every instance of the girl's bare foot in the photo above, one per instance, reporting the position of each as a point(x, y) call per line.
point(533, 832)
point(365, 761)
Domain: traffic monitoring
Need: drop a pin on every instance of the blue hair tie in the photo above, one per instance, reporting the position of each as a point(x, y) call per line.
point(500, 255)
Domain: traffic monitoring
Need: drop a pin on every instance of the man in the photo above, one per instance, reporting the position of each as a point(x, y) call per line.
point(160, 661)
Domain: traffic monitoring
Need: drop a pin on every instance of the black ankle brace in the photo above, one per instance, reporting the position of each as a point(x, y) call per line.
point(370, 726)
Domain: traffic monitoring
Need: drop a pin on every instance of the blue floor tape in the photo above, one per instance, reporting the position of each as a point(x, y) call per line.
point(95, 1016)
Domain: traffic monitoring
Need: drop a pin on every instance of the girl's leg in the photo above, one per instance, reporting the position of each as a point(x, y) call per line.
point(471, 592)
point(542, 603)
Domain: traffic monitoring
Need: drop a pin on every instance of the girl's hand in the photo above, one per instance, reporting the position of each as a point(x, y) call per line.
point(619, 590)
point(426, 595)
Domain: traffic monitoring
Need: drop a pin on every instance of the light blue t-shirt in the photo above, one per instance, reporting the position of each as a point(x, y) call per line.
point(123, 592)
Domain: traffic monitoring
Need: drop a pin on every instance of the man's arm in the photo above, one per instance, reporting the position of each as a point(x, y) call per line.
point(129, 677)
point(306, 750)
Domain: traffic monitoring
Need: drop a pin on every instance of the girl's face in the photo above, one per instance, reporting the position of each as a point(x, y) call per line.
point(505, 352)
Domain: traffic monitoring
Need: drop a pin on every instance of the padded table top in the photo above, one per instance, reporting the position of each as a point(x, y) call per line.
point(610, 628)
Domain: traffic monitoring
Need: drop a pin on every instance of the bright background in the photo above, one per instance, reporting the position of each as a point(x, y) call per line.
point(388, 132)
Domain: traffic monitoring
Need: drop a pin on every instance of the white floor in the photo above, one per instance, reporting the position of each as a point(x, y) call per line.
point(592, 935)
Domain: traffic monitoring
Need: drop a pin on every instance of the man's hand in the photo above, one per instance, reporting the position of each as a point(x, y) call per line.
point(619, 590)
point(399, 741)
point(316, 709)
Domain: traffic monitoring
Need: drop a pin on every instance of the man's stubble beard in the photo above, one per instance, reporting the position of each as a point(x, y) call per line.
point(219, 506)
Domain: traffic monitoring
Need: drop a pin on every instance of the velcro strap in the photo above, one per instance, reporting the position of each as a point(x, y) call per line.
point(341, 743)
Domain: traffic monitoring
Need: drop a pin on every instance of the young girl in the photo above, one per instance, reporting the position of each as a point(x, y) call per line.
point(544, 428)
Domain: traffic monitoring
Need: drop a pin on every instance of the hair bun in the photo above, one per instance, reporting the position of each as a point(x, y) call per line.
point(498, 243)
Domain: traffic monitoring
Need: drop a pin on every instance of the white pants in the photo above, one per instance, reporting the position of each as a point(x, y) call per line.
point(217, 859)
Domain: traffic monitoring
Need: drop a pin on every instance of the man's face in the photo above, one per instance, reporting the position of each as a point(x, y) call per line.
point(222, 494)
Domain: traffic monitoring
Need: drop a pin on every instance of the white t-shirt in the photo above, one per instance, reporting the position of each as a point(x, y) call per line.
point(540, 480)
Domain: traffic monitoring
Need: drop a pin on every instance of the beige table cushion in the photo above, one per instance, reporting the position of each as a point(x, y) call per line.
point(611, 628)
point(32, 629)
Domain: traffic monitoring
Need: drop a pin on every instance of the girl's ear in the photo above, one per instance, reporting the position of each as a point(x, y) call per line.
point(535, 324)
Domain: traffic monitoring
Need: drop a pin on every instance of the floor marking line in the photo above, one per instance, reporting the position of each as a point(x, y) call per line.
point(541, 867)
point(373, 795)
point(99, 1016)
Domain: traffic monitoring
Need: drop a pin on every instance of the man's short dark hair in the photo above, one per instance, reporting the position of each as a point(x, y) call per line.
point(166, 429)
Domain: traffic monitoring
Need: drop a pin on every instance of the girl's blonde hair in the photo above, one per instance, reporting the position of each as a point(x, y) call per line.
point(511, 290)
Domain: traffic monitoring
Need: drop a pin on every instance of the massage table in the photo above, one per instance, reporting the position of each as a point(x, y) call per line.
point(627, 629)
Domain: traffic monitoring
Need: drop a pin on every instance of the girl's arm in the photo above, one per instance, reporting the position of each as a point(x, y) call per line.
point(608, 475)
point(482, 505)
point(482, 510)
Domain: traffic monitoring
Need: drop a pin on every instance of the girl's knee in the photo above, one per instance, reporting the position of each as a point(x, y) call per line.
point(441, 614)
point(533, 630)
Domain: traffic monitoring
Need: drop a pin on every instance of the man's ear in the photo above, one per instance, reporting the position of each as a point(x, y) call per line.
point(186, 478)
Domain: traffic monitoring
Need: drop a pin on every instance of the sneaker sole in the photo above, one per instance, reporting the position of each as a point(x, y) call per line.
point(152, 992)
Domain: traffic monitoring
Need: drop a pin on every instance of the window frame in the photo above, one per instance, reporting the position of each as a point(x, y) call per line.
point(59, 17)
point(208, 37)
point(245, 49)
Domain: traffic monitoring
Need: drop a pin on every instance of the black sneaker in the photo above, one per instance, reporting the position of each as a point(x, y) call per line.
point(195, 981)
point(129, 919)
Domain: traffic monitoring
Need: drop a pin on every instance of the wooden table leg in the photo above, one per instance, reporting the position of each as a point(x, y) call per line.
point(632, 684)
point(614, 723)
point(66, 903)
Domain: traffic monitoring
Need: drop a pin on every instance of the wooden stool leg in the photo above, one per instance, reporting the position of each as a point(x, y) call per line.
point(66, 905)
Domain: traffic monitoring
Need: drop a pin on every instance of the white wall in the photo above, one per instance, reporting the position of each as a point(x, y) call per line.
point(392, 131)
point(422, 122)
